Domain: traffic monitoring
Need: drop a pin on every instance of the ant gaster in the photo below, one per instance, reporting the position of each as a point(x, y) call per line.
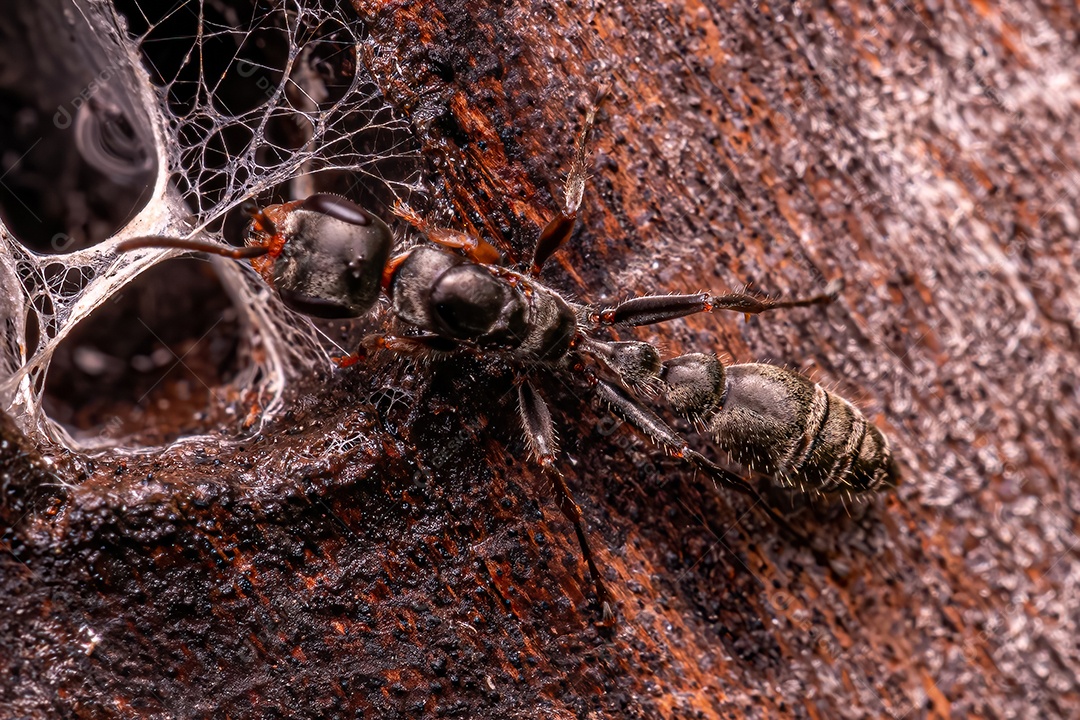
point(329, 258)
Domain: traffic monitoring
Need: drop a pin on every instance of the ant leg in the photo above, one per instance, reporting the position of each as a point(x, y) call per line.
point(560, 228)
point(540, 435)
point(476, 249)
point(660, 308)
point(402, 344)
point(653, 426)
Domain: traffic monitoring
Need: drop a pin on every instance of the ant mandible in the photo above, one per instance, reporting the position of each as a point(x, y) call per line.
point(327, 257)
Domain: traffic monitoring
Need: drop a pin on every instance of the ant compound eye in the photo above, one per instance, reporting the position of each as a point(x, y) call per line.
point(332, 263)
point(468, 301)
point(338, 208)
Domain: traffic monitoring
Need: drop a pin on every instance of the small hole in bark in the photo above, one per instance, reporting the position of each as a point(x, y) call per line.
point(152, 364)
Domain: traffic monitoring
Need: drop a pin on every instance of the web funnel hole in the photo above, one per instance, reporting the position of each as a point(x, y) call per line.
point(189, 110)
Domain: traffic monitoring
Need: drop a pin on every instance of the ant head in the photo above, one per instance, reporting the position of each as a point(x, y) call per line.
point(324, 255)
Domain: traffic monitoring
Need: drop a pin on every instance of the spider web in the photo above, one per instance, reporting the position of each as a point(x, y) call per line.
point(225, 124)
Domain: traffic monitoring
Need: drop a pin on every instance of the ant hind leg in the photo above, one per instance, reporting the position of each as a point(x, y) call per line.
point(653, 427)
point(540, 436)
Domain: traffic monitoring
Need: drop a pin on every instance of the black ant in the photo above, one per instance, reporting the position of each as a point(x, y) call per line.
point(327, 257)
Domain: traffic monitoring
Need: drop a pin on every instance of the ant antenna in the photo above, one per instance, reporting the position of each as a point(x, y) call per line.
point(158, 241)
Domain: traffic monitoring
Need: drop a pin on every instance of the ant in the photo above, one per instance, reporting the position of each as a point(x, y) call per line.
point(327, 257)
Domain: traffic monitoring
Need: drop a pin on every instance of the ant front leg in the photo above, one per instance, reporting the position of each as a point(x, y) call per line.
point(401, 344)
point(661, 308)
point(558, 231)
point(540, 435)
point(476, 249)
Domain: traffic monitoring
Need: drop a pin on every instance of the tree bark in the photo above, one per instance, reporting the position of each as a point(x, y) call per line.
point(927, 153)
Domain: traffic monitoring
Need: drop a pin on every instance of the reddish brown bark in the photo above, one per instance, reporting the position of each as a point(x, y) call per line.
point(926, 153)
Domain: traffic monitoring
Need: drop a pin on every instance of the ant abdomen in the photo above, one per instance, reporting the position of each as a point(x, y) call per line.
point(781, 424)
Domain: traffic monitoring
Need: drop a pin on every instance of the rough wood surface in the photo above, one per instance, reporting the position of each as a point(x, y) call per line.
point(927, 153)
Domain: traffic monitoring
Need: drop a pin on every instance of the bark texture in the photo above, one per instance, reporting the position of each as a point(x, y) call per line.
point(927, 153)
